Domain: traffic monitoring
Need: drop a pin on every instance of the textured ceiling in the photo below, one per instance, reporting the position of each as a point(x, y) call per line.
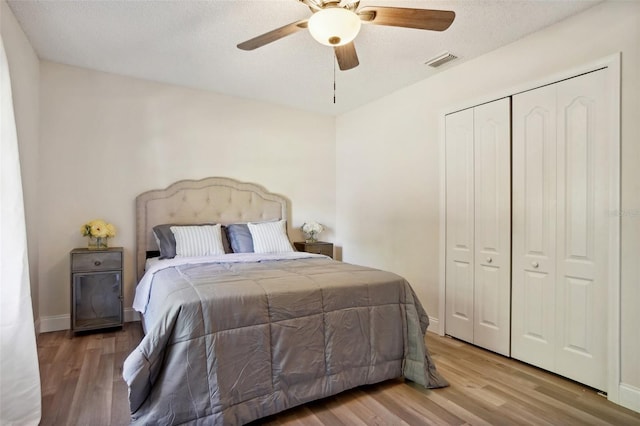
point(193, 43)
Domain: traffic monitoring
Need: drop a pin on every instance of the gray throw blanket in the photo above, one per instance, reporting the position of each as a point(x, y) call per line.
point(229, 343)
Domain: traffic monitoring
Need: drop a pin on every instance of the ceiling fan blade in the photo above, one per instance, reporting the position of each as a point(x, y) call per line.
point(312, 4)
point(274, 35)
point(422, 19)
point(347, 56)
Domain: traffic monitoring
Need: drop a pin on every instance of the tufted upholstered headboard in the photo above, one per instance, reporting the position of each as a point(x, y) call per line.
point(209, 200)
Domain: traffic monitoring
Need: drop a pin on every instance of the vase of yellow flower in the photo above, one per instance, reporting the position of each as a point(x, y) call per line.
point(99, 233)
point(98, 243)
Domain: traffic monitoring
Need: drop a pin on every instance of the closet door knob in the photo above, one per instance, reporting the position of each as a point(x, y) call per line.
point(489, 260)
point(535, 264)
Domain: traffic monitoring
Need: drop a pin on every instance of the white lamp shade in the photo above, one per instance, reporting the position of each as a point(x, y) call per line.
point(334, 26)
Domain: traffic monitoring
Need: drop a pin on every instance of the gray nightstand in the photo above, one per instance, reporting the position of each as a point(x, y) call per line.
point(319, 247)
point(96, 289)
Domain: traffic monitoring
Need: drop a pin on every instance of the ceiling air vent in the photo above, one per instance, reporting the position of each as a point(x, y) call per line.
point(441, 59)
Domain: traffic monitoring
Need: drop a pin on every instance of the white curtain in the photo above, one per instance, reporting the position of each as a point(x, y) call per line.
point(19, 375)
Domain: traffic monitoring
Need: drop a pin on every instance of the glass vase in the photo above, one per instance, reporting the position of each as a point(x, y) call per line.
point(311, 238)
point(98, 243)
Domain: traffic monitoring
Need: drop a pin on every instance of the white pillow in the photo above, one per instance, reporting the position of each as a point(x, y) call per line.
point(198, 240)
point(270, 237)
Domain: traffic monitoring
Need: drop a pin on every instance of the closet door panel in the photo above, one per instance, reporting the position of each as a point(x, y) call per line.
point(459, 227)
point(534, 227)
point(492, 285)
point(582, 238)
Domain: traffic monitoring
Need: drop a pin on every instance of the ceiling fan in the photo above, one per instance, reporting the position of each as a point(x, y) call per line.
point(336, 23)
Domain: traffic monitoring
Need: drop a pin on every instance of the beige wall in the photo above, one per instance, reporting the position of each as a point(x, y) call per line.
point(106, 138)
point(388, 155)
point(25, 81)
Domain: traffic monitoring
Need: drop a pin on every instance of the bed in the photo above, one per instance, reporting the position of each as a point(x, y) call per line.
point(233, 335)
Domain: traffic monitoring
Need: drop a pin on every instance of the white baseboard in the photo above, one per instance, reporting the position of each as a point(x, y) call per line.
point(62, 322)
point(629, 397)
point(54, 323)
point(434, 326)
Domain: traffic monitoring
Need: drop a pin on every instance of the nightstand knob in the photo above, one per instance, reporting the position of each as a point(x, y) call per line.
point(97, 263)
point(535, 264)
point(489, 260)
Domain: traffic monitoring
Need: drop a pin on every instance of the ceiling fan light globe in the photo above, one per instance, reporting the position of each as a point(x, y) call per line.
point(334, 26)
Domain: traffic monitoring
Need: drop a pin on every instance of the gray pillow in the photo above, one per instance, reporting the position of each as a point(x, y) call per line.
point(167, 242)
point(240, 238)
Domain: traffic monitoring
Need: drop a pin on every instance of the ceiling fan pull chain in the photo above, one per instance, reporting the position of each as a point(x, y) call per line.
point(334, 77)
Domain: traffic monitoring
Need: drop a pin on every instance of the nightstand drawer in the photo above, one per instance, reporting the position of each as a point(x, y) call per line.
point(96, 260)
point(319, 247)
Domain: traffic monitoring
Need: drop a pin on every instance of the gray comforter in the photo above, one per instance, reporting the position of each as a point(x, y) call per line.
point(230, 343)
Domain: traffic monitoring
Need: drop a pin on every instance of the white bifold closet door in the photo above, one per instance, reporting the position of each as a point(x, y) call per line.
point(561, 228)
point(478, 256)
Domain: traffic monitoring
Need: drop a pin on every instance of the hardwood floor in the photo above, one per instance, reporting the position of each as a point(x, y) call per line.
point(82, 385)
point(81, 377)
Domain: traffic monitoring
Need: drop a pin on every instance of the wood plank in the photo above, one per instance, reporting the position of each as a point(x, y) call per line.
point(459, 411)
point(81, 396)
point(366, 407)
point(332, 412)
point(62, 384)
point(416, 396)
